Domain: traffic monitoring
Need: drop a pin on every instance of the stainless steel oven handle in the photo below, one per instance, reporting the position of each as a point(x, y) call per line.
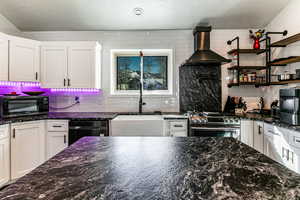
point(216, 128)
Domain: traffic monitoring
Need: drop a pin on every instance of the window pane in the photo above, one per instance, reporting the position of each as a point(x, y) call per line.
point(128, 72)
point(155, 72)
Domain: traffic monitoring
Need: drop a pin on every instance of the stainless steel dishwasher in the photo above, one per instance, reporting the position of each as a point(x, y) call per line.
point(82, 128)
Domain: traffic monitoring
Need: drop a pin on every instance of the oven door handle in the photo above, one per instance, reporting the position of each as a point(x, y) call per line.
point(216, 128)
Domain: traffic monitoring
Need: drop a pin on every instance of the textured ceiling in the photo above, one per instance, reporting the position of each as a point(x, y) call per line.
point(56, 15)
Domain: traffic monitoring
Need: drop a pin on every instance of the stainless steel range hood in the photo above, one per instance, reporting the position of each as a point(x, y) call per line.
point(203, 55)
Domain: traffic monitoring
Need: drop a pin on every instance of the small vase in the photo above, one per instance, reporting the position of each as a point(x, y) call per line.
point(256, 44)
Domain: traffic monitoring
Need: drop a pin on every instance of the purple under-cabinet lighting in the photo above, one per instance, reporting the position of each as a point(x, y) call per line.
point(26, 84)
point(10, 86)
point(74, 90)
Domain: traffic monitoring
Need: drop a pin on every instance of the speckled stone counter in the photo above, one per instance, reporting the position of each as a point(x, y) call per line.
point(157, 168)
point(268, 119)
point(63, 115)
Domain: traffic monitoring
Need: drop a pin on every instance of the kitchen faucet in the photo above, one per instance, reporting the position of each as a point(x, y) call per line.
point(141, 103)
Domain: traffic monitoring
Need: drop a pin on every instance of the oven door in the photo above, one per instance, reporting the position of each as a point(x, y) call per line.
point(215, 132)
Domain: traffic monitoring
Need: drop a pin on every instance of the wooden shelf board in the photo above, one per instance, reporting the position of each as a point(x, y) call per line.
point(284, 82)
point(286, 41)
point(243, 83)
point(247, 67)
point(246, 51)
point(286, 61)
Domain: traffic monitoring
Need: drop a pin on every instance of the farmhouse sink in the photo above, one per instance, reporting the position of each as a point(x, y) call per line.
point(137, 125)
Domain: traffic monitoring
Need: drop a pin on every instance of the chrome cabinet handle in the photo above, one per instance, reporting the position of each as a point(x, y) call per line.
point(69, 82)
point(64, 82)
point(56, 126)
point(65, 139)
point(14, 133)
point(36, 76)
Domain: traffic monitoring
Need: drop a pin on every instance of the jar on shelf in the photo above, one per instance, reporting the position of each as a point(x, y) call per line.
point(245, 77)
point(241, 77)
point(235, 74)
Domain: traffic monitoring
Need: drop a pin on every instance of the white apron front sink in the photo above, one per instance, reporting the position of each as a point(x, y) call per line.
point(137, 125)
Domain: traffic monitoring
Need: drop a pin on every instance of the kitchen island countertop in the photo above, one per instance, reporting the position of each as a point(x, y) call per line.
point(157, 168)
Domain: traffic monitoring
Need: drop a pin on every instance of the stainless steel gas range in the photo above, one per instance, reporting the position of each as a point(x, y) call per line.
point(209, 124)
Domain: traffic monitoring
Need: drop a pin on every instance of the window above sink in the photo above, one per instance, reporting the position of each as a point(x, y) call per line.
point(152, 67)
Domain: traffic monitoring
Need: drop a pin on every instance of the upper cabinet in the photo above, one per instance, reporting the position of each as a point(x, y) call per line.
point(54, 66)
point(71, 65)
point(3, 57)
point(24, 59)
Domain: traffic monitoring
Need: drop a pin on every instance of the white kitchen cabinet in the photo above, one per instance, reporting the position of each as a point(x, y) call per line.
point(27, 147)
point(77, 65)
point(176, 127)
point(83, 66)
point(273, 144)
point(24, 59)
point(54, 66)
point(3, 57)
point(4, 155)
point(258, 136)
point(247, 132)
point(57, 137)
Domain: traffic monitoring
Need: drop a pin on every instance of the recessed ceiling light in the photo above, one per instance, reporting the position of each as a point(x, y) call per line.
point(138, 11)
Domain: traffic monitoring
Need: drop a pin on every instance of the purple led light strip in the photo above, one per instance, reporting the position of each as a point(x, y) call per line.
point(54, 90)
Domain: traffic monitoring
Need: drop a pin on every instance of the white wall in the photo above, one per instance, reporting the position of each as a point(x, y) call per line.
point(7, 27)
point(181, 41)
point(287, 19)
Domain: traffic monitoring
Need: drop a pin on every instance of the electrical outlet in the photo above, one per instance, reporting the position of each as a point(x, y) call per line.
point(77, 99)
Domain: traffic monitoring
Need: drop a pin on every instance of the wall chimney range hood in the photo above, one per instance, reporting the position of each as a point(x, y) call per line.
point(203, 55)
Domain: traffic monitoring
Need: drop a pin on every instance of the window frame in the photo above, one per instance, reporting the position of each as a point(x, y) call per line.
point(146, 52)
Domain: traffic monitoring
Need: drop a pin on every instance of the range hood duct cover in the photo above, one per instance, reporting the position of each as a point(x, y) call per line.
point(203, 55)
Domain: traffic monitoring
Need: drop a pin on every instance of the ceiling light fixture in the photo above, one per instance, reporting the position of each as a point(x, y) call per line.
point(138, 11)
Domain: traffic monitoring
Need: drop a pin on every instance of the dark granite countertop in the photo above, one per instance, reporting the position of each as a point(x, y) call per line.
point(268, 119)
point(81, 116)
point(63, 115)
point(157, 168)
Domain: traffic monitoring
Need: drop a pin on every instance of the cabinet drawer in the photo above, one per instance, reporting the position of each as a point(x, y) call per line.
point(177, 125)
point(4, 131)
point(179, 134)
point(57, 125)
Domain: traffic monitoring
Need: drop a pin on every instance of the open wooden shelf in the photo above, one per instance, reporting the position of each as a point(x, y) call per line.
point(247, 67)
point(285, 42)
point(243, 83)
point(245, 51)
point(285, 61)
point(285, 82)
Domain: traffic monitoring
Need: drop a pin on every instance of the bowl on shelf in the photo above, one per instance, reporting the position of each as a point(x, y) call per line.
point(33, 93)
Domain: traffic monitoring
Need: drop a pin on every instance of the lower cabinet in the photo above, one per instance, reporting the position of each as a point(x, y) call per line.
point(247, 132)
point(176, 128)
point(27, 147)
point(4, 155)
point(272, 143)
point(258, 136)
point(57, 137)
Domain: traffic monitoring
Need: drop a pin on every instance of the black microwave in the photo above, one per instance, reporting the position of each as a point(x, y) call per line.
point(18, 106)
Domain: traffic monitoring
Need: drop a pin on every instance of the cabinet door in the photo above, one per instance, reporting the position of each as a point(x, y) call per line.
point(3, 58)
point(56, 142)
point(247, 132)
point(258, 136)
point(27, 147)
point(24, 60)
point(54, 66)
point(4, 155)
point(81, 67)
point(272, 143)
